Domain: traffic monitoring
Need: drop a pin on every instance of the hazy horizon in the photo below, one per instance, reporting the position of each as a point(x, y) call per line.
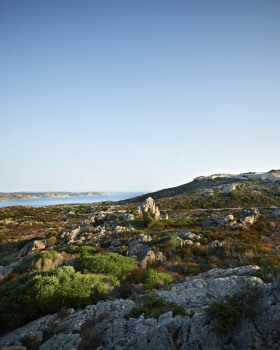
point(136, 96)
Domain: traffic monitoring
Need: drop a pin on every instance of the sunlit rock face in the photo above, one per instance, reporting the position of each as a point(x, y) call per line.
point(148, 206)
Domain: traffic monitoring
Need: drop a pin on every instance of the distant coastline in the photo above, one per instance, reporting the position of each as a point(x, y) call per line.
point(30, 195)
point(78, 199)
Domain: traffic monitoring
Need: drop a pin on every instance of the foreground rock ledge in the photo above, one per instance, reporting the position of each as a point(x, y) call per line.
point(111, 325)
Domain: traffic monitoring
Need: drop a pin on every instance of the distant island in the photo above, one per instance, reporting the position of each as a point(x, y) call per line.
point(28, 195)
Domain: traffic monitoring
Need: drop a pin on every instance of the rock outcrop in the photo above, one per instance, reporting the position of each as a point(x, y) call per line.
point(243, 219)
point(249, 217)
point(227, 188)
point(6, 271)
point(30, 248)
point(148, 206)
point(197, 292)
point(143, 254)
point(71, 235)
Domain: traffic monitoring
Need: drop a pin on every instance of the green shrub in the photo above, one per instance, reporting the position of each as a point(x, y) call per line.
point(169, 243)
point(87, 250)
point(138, 223)
point(7, 261)
point(269, 273)
point(122, 250)
point(6, 215)
point(43, 261)
point(51, 241)
point(174, 241)
point(36, 294)
point(108, 263)
point(150, 278)
point(72, 249)
point(155, 306)
point(225, 314)
point(148, 219)
point(52, 234)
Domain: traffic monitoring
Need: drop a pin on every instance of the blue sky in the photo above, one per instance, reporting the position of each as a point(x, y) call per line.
point(126, 95)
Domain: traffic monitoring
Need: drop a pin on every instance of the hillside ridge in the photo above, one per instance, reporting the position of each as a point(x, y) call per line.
point(209, 181)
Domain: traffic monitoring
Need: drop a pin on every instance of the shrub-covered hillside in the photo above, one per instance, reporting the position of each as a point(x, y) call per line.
point(53, 259)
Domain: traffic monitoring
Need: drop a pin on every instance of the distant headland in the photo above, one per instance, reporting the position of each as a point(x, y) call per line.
point(28, 195)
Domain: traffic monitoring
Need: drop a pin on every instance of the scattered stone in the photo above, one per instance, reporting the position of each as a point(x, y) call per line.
point(119, 230)
point(227, 220)
point(8, 221)
point(6, 271)
point(101, 231)
point(143, 254)
point(127, 217)
point(227, 188)
point(249, 217)
point(276, 213)
point(144, 238)
point(206, 191)
point(245, 219)
point(188, 235)
point(116, 243)
point(70, 236)
point(187, 242)
point(216, 244)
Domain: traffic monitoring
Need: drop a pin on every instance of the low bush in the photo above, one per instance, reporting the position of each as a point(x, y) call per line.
point(225, 314)
point(134, 275)
point(191, 269)
point(87, 250)
point(52, 234)
point(7, 261)
point(72, 249)
point(149, 220)
point(122, 250)
point(149, 278)
point(49, 260)
point(108, 263)
point(43, 261)
point(51, 241)
point(138, 224)
point(154, 306)
point(269, 273)
point(36, 294)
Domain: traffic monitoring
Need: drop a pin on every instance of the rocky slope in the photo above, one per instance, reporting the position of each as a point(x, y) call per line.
point(112, 325)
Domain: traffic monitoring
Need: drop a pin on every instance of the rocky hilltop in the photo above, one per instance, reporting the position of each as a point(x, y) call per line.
point(213, 181)
point(196, 270)
point(272, 175)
